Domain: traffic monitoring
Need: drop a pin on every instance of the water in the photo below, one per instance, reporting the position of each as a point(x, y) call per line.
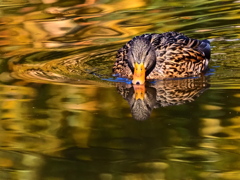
point(64, 117)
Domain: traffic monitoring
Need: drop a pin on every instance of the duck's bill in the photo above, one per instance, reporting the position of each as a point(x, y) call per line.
point(139, 74)
point(139, 92)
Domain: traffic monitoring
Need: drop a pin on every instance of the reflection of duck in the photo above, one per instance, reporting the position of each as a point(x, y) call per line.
point(143, 100)
point(160, 56)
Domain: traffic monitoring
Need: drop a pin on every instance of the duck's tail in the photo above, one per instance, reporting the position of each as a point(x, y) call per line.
point(205, 48)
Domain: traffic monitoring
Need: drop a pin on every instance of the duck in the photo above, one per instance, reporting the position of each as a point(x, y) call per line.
point(162, 56)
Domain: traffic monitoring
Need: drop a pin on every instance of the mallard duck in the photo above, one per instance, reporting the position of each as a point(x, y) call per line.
point(161, 56)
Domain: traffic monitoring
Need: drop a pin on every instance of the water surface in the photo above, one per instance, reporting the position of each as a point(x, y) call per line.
point(61, 119)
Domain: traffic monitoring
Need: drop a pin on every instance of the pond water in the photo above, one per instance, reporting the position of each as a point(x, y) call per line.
point(63, 117)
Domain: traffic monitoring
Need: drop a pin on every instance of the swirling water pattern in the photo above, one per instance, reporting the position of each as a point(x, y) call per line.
point(60, 120)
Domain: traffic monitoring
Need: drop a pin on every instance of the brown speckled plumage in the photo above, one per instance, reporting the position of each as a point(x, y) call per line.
point(175, 56)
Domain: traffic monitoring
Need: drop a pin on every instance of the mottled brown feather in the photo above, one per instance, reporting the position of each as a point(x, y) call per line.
point(176, 56)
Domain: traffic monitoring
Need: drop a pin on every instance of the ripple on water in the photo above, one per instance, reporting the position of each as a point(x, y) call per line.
point(63, 112)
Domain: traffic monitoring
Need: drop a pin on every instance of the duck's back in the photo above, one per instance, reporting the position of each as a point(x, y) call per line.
point(169, 38)
point(179, 56)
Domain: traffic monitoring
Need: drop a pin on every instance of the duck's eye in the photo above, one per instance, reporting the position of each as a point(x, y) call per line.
point(148, 51)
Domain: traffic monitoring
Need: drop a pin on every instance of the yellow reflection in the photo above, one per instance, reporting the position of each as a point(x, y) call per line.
point(210, 126)
point(211, 107)
point(237, 108)
point(122, 5)
point(237, 95)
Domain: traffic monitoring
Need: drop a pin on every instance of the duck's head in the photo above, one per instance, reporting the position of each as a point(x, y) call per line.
point(141, 59)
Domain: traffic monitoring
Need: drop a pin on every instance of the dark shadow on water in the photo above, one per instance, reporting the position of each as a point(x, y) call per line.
point(143, 99)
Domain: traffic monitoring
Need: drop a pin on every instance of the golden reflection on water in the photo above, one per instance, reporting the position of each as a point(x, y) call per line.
point(59, 120)
point(68, 122)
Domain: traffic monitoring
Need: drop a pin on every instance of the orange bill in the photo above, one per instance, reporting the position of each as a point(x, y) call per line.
point(139, 74)
point(139, 91)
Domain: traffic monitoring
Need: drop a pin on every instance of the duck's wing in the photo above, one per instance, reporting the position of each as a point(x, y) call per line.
point(169, 38)
point(178, 61)
point(180, 56)
point(202, 46)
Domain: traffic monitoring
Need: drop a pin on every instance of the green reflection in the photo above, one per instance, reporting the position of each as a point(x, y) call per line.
point(59, 120)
